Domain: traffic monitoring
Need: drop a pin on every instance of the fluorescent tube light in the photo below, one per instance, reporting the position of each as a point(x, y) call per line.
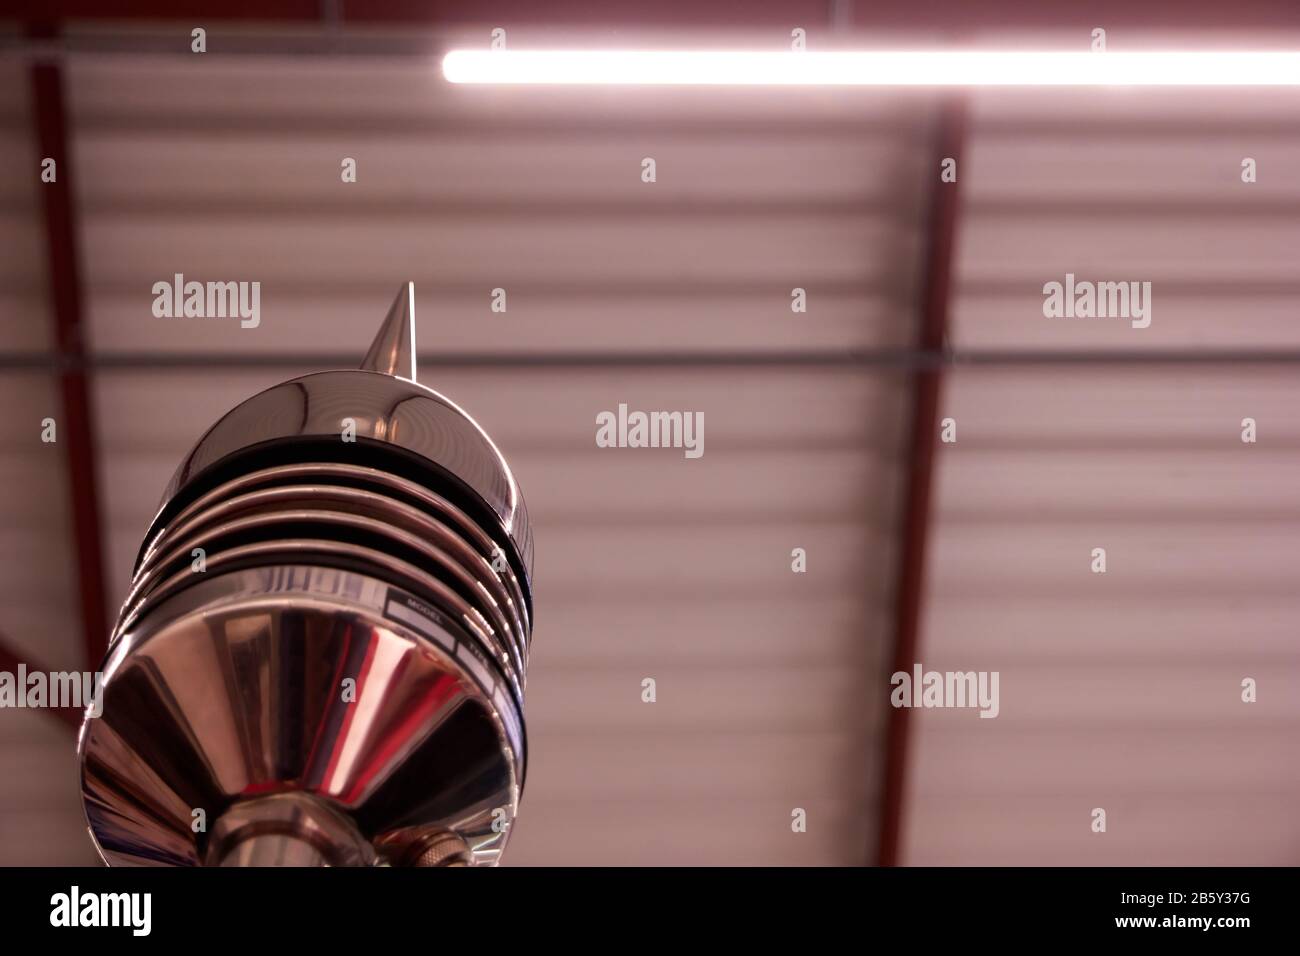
point(867, 68)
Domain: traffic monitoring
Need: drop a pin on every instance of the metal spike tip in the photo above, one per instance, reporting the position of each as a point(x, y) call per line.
point(393, 350)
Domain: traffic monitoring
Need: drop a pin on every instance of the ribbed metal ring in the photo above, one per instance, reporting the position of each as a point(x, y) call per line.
point(262, 514)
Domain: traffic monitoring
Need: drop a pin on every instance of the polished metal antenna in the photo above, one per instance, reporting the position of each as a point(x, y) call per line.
point(322, 657)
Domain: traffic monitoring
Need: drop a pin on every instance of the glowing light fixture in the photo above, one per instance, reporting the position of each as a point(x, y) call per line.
point(873, 68)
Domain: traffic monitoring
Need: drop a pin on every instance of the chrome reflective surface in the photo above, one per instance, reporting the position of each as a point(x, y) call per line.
point(382, 409)
point(295, 678)
point(287, 829)
point(482, 616)
point(448, 543)
point(352, 476)
point(393, 350)
point(323, 654)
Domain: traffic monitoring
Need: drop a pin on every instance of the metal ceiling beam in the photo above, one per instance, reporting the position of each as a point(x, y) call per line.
point(76, 426)
point(996, 16)
point(890, 359)
point(936, 294)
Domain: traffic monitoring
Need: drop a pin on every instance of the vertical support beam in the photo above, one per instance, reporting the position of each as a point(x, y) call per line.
point(945, 204)
point(76, 427)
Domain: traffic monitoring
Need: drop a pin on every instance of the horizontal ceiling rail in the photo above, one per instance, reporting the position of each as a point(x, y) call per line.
point(884, 359)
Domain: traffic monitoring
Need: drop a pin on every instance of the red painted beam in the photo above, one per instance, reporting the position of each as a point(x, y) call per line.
point(11, 660)
point(940, 249)
point(76, 427)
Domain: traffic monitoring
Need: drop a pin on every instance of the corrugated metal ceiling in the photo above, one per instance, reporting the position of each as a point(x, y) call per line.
point(649, 565)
